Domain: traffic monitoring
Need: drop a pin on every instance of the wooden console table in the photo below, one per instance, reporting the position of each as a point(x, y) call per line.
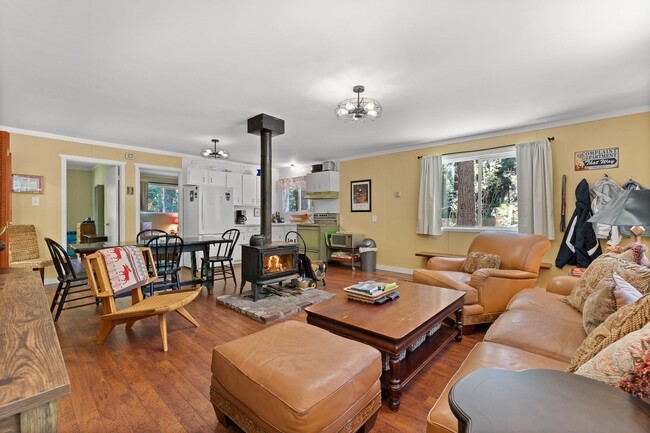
point(493, 400)
point(32, 372)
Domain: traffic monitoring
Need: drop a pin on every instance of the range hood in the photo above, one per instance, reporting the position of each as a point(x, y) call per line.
point(322, 195)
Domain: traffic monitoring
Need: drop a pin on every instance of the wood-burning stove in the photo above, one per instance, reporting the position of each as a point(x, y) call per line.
point(268, 264)
point(264, 262)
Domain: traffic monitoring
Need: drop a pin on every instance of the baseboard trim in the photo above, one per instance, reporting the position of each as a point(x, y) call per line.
point(395, 269)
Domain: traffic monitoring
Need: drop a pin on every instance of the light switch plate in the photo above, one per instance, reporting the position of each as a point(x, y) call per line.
point(374, 218)
point(36, 201)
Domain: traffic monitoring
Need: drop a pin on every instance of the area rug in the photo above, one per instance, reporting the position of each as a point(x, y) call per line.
point(276, 306)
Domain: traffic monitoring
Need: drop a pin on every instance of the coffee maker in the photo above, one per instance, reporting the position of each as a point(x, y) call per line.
point(240, 217)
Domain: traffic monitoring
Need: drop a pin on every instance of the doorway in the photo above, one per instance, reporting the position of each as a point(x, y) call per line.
point(158, 197)
point(92, 191)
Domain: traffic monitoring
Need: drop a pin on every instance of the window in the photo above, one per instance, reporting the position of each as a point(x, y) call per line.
point(162, 198)
point(293, 191)
point(480, 189)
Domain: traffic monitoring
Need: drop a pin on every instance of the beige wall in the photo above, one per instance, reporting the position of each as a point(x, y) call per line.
point(394, 230)
point(80, 197)
point(41, 156)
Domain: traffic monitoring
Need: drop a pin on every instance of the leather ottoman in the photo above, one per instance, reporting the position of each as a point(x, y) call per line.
point(295, 377)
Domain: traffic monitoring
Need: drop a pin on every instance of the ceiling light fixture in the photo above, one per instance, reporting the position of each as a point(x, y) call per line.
point(214, 153)
point(358, 110)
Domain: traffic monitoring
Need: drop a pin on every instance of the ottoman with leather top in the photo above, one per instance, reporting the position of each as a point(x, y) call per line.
point(295, 377)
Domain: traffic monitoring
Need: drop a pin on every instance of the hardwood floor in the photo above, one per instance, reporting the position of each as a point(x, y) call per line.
point(129, 384)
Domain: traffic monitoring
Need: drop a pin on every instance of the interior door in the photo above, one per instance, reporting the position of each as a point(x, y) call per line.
point(112, 205)
point(5, 196)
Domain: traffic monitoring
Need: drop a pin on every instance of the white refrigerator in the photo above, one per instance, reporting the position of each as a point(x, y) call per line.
point(207, 210)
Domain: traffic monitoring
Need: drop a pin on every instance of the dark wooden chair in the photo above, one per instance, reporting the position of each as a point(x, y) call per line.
point(166, 252)
point(71, 275)
point(223, 258)
point(145, 235)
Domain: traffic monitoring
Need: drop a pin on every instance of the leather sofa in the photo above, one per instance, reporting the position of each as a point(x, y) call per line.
point(536, 331)
point(488, 291)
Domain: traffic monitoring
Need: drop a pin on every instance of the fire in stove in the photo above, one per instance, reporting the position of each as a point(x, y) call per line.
point(277, 263)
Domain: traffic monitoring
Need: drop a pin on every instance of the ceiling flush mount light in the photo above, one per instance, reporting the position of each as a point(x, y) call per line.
point(358, 110)
point(214, 153)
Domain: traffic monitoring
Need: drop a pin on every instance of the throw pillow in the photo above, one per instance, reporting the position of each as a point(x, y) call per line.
point(624, 363)
point(628, 319)
point(610, 295)
point(601, 268)
point(635, 252)
point(477, 260)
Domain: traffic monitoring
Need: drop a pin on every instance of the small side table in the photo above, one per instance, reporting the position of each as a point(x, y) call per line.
point(492, 400)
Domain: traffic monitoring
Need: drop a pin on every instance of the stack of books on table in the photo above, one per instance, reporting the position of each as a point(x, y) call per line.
point(372, 291)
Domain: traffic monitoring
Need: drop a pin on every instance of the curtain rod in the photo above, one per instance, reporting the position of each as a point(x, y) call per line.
point(498, 147)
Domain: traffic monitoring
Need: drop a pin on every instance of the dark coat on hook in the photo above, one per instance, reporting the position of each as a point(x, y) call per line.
point(579, 245)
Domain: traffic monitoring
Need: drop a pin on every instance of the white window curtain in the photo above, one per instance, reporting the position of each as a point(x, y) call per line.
point(288, 184)
point(430, 202)
point(535, 188)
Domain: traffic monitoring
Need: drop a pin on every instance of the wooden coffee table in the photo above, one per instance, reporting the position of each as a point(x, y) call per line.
point(395, 326)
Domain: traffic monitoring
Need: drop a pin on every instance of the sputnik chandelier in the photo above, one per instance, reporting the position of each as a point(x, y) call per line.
point(214, 153)
point(358, 110)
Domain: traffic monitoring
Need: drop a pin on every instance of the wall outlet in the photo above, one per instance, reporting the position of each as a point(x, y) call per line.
point(373, 218)
point(36, 201)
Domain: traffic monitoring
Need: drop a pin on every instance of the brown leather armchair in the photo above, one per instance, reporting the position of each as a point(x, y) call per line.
point(488, 291)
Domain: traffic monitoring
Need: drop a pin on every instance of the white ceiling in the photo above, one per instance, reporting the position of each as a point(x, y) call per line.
point(172, 75)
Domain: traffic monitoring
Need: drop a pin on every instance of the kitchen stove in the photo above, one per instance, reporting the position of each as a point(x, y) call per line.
point(326, 218)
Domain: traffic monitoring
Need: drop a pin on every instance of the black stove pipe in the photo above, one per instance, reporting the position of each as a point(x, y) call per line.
point(266, 185)
point(266, 127)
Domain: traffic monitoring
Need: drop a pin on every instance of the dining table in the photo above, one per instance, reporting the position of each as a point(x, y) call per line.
point(190, 245)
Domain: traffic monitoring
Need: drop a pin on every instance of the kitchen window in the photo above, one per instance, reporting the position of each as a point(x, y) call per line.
point(293, 191)
point(480, 190)
point(162, 198)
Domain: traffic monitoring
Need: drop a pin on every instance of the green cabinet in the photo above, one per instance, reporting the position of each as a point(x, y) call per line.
point(314, 236)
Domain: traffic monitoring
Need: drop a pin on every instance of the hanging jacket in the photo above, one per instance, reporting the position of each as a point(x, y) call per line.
point(603, 191)
point(579, 246)
point(625, 230)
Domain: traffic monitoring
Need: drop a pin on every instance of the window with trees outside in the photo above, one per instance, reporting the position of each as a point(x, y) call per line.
point(293, 191)
point(162, 198)
point(480, 189)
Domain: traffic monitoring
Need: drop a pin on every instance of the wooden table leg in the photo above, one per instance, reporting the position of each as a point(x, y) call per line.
point(209, 278)
point(395, 383)
point(459, 324)
point(193, 264)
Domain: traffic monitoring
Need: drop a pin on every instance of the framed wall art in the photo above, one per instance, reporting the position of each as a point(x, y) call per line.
point(24, 183)
point(361, 195)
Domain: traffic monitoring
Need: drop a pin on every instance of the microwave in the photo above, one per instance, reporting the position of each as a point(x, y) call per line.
point(346, 240)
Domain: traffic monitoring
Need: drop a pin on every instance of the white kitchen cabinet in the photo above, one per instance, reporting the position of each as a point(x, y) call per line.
point(234, 181)
point(258, 190)
point(323, 181)
point(205, 176)
point(195, 176)
point(215, 178)
point(244, 189)
point(245, 233)
point(249, 190)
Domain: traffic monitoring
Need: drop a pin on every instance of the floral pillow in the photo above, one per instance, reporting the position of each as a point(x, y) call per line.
point(628, 319)
point(601, 268)
point(477, 260)
point(624, 363)
point(610, 295)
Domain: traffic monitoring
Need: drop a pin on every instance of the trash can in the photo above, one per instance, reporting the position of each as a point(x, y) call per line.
point(368, 251)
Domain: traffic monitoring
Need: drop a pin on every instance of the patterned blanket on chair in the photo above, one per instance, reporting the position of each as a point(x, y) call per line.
point(126, 268)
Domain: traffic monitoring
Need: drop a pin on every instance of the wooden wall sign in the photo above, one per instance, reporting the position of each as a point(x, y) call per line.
point(598, 159)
